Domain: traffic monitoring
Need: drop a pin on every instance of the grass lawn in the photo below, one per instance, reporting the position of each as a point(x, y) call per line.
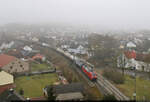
point(38, 67)
point(33, 85)
point(142, 87)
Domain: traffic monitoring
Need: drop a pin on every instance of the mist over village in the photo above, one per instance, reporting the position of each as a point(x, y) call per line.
point(76, 50)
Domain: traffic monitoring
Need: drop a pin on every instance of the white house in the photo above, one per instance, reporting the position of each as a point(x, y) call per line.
point(126, 61)
point(45, 44)
point(79, 50)
point(65, 46)
point(131, 45)
point(7, 45)
point(35, 39)
point(27, 48)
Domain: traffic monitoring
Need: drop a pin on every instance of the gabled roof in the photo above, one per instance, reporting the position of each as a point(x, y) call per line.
point(6, 59)
point(37, 56)
point(6, 78)
point(139, 56)
point(70, 96)
point(68, 88)
point(27, 48)
point(130, 54)
point(131, 44)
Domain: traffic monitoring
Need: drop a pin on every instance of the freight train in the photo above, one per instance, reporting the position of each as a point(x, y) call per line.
point(86, 69)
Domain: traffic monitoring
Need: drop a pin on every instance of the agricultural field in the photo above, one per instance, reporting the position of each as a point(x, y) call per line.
point(33, 85)
point(39, 67)
point(142, 88)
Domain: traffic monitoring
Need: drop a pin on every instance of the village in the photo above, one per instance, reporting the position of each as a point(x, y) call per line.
point(32, 69)
point(27, 74)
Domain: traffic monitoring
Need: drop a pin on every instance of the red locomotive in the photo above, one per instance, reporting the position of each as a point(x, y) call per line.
point(87, 70)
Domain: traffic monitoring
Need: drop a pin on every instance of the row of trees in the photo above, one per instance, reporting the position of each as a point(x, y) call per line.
point(105, 49)
point(114, 75)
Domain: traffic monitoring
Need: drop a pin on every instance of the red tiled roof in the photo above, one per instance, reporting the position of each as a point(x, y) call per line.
point(5, 59)
point(37, 56)
point(137, 56)
point(130, 54)
point(5, 87)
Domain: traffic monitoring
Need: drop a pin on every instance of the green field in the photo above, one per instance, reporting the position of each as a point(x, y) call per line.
point(39, 67)
point(33, 85)
point(142, 88)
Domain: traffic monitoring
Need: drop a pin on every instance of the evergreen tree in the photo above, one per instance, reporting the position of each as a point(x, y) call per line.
point(21, 92)
point(51, 95)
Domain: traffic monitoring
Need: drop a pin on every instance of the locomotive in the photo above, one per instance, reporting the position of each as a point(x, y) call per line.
point(86, 69)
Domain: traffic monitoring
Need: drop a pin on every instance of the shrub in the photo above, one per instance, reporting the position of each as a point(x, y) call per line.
point(51, 93)
point(21, 91)
point(109, 97)
point(114, 76)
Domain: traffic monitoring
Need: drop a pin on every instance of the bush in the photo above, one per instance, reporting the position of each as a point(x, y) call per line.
point(51, 93)
point(21, 91)
point(114, 76)
point(109, 97)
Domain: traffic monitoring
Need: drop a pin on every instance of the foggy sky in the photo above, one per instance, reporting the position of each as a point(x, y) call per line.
point(107, 13)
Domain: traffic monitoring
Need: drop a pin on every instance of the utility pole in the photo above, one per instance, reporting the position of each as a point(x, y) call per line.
point(134, 94)
point(123, 64)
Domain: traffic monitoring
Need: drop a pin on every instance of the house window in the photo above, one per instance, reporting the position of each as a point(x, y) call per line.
point(11, 67)
point(21, 65)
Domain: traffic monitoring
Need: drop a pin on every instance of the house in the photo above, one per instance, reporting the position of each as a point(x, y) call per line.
point(12, 64)
point(27, 48)
point(6, 81)
point(64, 46)
point(15, 52)
point(79, 50)
point(130, 59)
point(35, 39)
point(45, 44)
point(5, 78)
point(7, 45)
point(131, 44)
point(73, 91)
point(39, 56)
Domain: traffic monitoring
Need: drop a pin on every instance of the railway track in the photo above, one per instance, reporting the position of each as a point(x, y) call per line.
point(103, 83)
point(111, 89)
